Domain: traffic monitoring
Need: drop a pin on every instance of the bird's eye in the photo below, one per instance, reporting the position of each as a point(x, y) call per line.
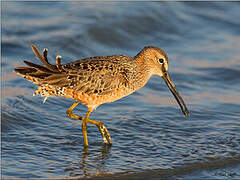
point(160, 60)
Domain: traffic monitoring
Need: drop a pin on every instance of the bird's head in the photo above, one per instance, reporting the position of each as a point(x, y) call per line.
point(157, 61)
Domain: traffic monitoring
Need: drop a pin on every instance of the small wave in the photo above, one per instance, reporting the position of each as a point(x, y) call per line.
point(211, 164)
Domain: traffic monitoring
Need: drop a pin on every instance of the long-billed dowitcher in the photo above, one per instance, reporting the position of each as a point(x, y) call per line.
point(97, 80)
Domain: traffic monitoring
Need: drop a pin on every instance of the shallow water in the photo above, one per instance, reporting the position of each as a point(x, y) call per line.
point(151, 137)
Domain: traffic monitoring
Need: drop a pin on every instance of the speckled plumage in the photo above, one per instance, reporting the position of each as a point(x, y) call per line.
point(97, 80)
point(92, 81)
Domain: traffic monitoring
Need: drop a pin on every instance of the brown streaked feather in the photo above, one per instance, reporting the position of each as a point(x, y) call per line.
point(43, 59)
point(39, 75)
point(45, 52)
point(59, 83)
point(25, 70)
point(39, 67)
point(36, 73)
point(54, 77)
point(58, 63)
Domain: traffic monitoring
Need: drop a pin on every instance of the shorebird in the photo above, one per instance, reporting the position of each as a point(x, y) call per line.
point(97, 80)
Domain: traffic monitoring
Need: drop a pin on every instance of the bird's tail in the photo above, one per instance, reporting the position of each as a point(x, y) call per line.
point(36, 73)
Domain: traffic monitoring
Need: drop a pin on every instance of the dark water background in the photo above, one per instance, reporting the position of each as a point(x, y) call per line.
point(151, 137)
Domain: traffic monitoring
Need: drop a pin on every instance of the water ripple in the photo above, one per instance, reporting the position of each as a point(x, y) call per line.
point(151, 137)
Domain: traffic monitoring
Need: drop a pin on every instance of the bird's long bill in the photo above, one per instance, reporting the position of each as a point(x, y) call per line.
point(174, 91)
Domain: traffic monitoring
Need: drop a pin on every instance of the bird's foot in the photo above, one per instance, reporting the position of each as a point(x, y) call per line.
point(105, 134)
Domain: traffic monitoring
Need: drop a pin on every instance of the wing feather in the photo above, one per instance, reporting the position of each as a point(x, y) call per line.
point(96, 75)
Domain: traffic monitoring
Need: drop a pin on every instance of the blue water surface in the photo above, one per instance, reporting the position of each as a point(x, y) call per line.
point(151, 137)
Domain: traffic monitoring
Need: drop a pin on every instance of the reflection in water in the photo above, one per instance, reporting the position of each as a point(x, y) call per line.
point(85, 167)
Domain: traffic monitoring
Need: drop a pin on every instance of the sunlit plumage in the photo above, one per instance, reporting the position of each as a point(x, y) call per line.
point(97, 80)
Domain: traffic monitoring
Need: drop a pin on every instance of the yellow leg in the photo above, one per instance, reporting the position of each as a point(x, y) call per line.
point(103, 130)
point(84, 128)
point(70, 114)
point(101, 127)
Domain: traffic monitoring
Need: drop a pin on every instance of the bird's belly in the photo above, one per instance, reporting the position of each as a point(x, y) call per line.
point(92, 101)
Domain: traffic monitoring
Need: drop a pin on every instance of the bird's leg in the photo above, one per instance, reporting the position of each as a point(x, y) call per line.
point(84, 128)
point(101, 127)
point(70, 114)
point(103, 130)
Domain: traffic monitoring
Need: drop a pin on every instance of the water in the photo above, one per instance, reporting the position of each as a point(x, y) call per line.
point(151, 137)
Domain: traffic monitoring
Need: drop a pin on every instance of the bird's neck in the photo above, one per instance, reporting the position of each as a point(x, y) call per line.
point(144, 72)
point(143, 65)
